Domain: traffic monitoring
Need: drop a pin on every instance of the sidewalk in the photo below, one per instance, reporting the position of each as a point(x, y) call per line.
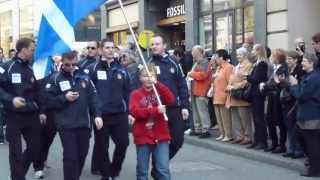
point(242, 151)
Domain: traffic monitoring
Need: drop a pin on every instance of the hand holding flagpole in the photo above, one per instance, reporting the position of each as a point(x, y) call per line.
point(141, 56)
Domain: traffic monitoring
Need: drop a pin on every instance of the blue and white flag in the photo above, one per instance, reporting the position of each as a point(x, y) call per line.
point(56, 33)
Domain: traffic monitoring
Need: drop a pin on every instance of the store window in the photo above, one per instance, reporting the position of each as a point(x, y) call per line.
point(6, 31)
point(89, 28)
point(121, 38)
point(205, 28)
point(226, 4)
point(26, 18)
point(248, 21)
point(205, 5)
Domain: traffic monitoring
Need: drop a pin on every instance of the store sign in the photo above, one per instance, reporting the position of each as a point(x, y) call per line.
point(176, 11)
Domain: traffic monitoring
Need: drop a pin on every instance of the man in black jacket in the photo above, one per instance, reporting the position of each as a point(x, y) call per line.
point(72, 95)
point(18, 93)
point(113, 86)
point(93, 55)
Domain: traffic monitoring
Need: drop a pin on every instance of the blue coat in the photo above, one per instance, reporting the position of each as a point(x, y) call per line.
point(69, 115)
point(113, 86)
point(307, 94)
point(170, 74)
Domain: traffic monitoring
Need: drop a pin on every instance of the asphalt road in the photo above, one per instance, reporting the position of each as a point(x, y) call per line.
point(192, 163)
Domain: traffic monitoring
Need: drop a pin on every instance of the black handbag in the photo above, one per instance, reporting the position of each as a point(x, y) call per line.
point(243, 93)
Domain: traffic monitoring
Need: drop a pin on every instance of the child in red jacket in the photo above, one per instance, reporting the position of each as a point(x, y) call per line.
point(150, 129)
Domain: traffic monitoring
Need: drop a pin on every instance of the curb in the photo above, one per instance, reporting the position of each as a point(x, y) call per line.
point(241, 151)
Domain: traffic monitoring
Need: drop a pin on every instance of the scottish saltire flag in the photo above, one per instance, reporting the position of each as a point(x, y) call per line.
point(56, 32)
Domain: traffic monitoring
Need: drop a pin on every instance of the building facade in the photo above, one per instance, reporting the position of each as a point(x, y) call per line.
point(226, 24)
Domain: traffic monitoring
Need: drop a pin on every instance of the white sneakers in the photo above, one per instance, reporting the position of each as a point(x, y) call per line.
point(187, 132)
point(219, 138)
point(39, 175)
point(226, 139)
point(223, 139)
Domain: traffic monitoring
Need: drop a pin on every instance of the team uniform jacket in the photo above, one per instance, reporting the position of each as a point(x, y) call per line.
point(17, 80)
point(85, 63)
point(75, 114)
point(169, 73)
point(113, 86)
point(143, 106)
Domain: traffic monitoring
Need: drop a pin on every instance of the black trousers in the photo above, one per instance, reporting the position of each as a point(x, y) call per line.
point(176, 126)
point(96, 154)
point(48, 133)
point(312, 148)
point(212, 114)
point(115, 126)
point(75, 143)
point(28, 126)
point(260, 132)
point(272, 129)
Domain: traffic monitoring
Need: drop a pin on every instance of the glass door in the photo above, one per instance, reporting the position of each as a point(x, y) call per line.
point(224, 31)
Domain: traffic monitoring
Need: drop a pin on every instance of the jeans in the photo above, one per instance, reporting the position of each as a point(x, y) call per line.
point(160, 156)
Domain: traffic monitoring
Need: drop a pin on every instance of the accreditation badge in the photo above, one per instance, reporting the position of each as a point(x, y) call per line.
point(119, 76)
point(83, 84)
point(172, 70)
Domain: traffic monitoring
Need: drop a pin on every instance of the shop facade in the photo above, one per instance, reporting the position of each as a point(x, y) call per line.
point(227, 24)
point(115, 26)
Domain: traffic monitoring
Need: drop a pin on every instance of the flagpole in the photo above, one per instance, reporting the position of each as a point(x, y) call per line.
point(141, 55)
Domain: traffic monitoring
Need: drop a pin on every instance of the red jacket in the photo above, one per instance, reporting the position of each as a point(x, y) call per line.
point(144, 108)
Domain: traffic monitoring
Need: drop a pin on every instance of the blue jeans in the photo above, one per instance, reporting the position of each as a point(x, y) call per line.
point(160, 155)
point(294, 147)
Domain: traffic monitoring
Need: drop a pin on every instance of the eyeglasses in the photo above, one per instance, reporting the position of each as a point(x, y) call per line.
point(69, 65)
point(92, 48)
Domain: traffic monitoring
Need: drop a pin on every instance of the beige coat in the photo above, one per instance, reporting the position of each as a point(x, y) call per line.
point(237, 82)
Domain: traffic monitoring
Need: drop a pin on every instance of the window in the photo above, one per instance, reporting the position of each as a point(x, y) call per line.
point(206, 31)
point(6, 30)
point(226, 4)
point(26, 18)
point(248, 21)
point(205, 5)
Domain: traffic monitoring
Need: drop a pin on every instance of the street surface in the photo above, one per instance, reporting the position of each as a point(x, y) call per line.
point(192, 163)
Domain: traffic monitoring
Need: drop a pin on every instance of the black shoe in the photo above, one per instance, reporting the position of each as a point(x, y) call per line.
point(106, 178)
point(252, 146)
point(309, 173)
point(279, 150)
point(1, 141)
point(204, 135)
point(270, 149)
point(115, 178)
point(96, 172)
point(297, 156)
point(154, 174)
point(193, 133)
point(288, 155)
point(261, 146)
point(307, 162)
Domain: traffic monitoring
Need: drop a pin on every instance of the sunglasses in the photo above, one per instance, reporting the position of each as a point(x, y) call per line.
point(92, 48)
point(69, 65)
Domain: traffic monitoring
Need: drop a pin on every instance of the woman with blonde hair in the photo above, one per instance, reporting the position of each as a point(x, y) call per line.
point(258, 75)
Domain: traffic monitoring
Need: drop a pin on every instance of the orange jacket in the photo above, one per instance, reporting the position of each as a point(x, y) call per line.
point(221, 80)
point(201, 78)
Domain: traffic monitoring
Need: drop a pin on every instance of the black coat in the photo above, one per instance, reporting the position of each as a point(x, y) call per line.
point(75, 114)
point(17, 80)
point(258, 75)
